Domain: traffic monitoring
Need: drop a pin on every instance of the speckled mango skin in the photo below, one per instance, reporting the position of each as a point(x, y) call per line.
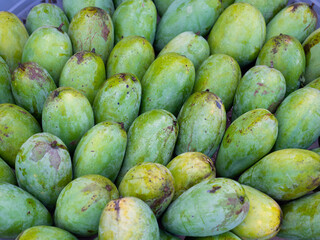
point(264, 217)
point(285, 54)
point(90, 28)
point(101, 151)
point(6, 173)
point(43, 167)
point(16, 126)
point(246, 141)
point(46, 14)
point(45, 233)
point(187, 15)
point(128, 218)
point(211, 207)
point(135, 18)
point(19, 210)
point(301, 218)
point(299, 119)
point(81, 203)
point(314, 84)
point(167, 83)
point(223, 236)
point(239, 32)
point(118, 100)
point(297, 172)
point(188, 169)
point(13, 36)
point(67, 114)
point(132, 54)
point(298, 20)
point(31, 85)
point(151, 182)
point(84, 71)
point(202, 122)
point(167, 236)
point(260, 87)
point(151, 138)
point(50, 48)
point(162, 5)
point(220, 74)
point(5, 83)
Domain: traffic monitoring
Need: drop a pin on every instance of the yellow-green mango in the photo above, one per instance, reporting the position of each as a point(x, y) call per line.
point(314, 84)
point(45, 233)
point(167, 236)
point(6, 173)
point(223, 236)
point(5, 83)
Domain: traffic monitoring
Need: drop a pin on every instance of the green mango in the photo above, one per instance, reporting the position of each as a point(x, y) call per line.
point(220, 74)
point(268, 8)
point(5, 83)
point(85, 72)
point(31, 85)
point(316, 150)
point(68, 115)
point(286, 54)
point(239, 32)
point(101, 151)
point(211, 207)
point(81, 203)
point(46, 14)
point(132, 54)
point(301, 218)
point(285, 174)
point(314, 84)
point(118, 100)
point(157, 132)
point(45, 233)
point(167, 83)
point(162, 5)
point(187, 15)
point(153, 183)
point(50, 47)
point(19, 210)
point(298, 20)
point(167, 236)
point(246, 141)
point(190, 45)
point(43, 167)
point(223, 236)
point(16, 126)
point(202, 122)
point(135, 18)
point(6, 173)
point(299, 127)
point(128, 218)
point(92, 28)
point(260, 87)
point(13, 36)
point(188, 169)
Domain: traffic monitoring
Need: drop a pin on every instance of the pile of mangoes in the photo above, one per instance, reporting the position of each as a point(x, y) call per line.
point(164, 119)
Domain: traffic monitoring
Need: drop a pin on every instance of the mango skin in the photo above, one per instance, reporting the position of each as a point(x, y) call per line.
point(167, 236)
point(128, 218)
point(202, 122)
point(16, 126)
point(298, 20)
point(162, 5)
point(286, 54)
point(19, 210)
point(296, 174)
point(223, 236)
point(211, 207)
point(167, 83)
point(188, 169)
point(316, 150)
point(301, 218)
point(50, 48)
point(90, 28)
point(151, 138)
point(118, 100)
point(68, 115)
point(132, 54)
point(31, 85)
point(135, 18)
point(260, 87)
point(84, 71)
point(13, 37)
point(43, 167)
point(264, 217)
point(45, 233)
point(187, 15)
point(5, 83)
point(299, 119)
point(101, 151)
point(226, 3)
point(239, 32)
point(220, 74)
point(6, 173)
point(82, 199)
point(314, 84)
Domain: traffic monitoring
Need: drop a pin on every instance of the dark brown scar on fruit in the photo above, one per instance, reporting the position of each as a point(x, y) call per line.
point(134, 79)
point(55, 94)
point(214, 189)
point(121, 124)
point(123, 76)
point(108, 187)
point(93, 50)
point(60, 28)
point(315, 40)
point(35, 73)
point(241, 198)
point(105, 31)
point(295, 6)
point(23, 112)
point(79, 57)
point(21, 66)
point(218, 104)
point(167, 192)
point(117, 208)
